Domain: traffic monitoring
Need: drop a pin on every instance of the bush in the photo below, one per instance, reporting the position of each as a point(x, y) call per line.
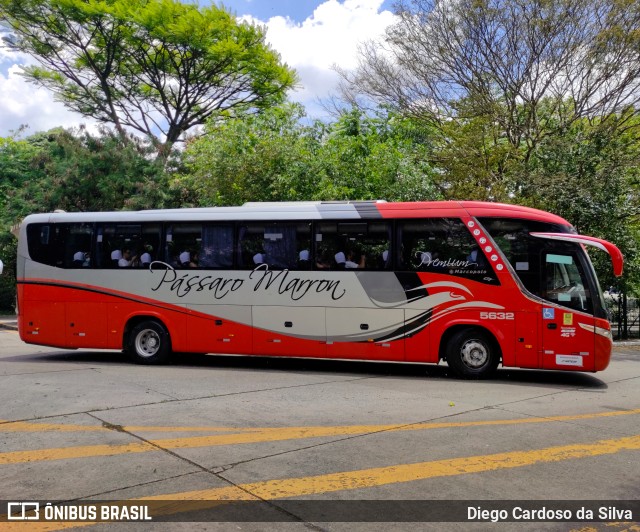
point(8, 249)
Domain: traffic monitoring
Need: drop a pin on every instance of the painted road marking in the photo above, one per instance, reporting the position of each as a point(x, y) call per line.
point(368, 478)
point(380, 476)
point(264, 435)
point(25, 426)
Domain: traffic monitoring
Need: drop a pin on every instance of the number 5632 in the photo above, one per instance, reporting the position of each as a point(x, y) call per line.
point(496, 315)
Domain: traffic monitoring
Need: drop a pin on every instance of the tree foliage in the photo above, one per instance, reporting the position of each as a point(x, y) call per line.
point(378, 157)
point(17, 171)
point(77, 171)
point(476, 159)
point(265, 157)
point(73, 171)
point(274, 156)
point(506, 60)
point(590, 176)
point(158, 67)
point(8, 277)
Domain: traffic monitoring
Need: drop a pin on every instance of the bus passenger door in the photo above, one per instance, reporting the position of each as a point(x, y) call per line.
point(568, 339)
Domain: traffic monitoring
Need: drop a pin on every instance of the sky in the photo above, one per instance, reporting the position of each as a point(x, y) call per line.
point(310, 35)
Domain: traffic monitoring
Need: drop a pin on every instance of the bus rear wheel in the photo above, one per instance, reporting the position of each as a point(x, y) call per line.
point(472, 354)
point(149, 343)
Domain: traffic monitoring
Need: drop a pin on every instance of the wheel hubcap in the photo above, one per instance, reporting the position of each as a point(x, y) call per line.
point(147, 343)
point(475, 354)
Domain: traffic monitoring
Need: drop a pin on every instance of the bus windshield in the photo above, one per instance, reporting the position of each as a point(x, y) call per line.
point(557, 271)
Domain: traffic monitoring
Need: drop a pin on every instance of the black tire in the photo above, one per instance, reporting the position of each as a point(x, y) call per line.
point(149, 343)
point(472, 354)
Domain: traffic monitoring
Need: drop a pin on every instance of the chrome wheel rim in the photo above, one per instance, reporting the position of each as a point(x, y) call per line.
point(475, 354)
point(147, 343)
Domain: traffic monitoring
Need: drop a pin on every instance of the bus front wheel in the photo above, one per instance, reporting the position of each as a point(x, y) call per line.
point(149, 343)
point(472, 354)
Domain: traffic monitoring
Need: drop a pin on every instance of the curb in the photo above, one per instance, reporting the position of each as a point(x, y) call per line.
point(626, 343)
point(9, 322)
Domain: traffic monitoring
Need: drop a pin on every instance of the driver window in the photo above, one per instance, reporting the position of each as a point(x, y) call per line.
point(565, 282)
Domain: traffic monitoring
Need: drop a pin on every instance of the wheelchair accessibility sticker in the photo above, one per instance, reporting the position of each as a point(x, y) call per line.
point(548, 313)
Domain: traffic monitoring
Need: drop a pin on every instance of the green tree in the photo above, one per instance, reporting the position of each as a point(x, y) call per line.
point(79, 171)
point(590, 176)
point(274, 156)
point(270, 156)
point(74, 171)
point(159, 67)
point(8, 278)
point(497, 78)
point(475, 159)
point(377, 157)
point(15, 172)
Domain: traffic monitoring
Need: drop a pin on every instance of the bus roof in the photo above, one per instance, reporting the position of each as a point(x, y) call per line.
point(311, 210)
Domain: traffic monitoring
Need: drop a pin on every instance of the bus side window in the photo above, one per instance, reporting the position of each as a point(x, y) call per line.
point(216, 247)
point(149, 249)
point(64, 245)
point(445, 246)
point(303, 246)
point(120, 245)
point(278, 245)
point(183, 245)
point(77, 245)
point(376, 246)
point(43, 243)
point(351, 244)
point(250, 250)
point(326, 245)
point(418, 244)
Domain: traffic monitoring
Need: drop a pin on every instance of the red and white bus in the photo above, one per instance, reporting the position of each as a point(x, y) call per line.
point(475, 284)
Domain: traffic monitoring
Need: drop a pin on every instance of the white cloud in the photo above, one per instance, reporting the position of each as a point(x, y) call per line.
point(330, 36)
point(23, 103)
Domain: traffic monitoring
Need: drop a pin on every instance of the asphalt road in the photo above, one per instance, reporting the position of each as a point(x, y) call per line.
point(315, 442)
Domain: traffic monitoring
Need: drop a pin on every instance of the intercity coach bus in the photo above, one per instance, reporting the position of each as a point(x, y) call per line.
point(472, 283)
